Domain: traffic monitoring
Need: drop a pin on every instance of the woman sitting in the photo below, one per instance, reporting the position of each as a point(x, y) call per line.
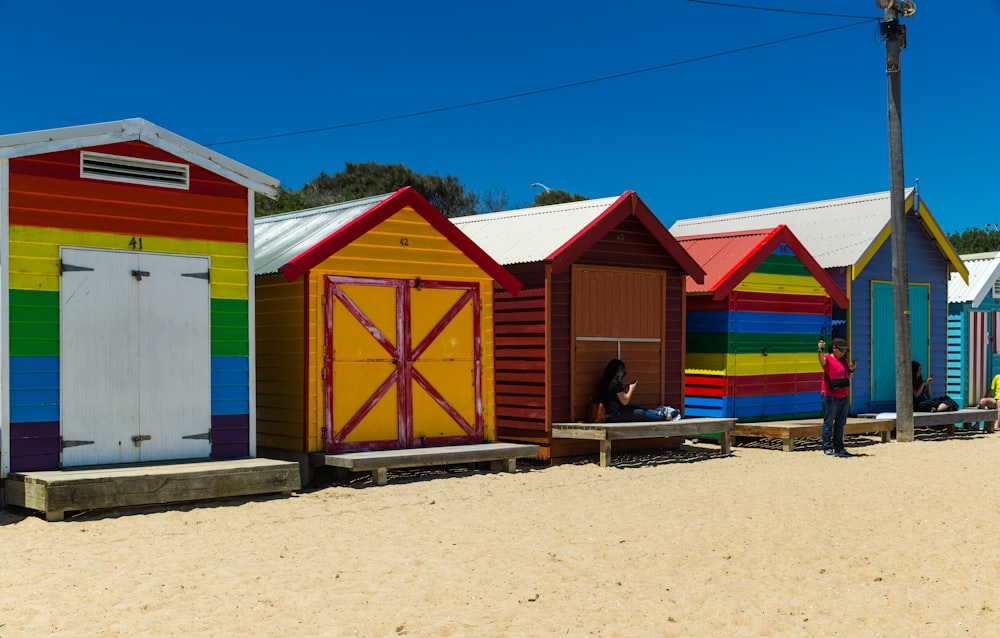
point(922, 401)
point(617, 398)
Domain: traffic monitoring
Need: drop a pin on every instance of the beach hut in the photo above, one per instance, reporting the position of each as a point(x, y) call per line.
point(374, 328)
point(848, 237)
point(602, 279)
point(973, 318)
point(124, 311)
point(753, 325)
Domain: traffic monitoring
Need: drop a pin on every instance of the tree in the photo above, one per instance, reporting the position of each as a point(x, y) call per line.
point(493, 200)
point(367, 179)
point(551, 196)
point(975, 240)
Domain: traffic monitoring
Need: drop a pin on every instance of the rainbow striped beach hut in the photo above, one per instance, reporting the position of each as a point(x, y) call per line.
point(753, 325)
point(849, 238)
point(125, 323)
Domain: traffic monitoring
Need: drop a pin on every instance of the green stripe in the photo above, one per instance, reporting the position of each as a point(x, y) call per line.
point(230, 328)
point(747, 342)
point(708, 342)
point(34, 323)
point(782, 265)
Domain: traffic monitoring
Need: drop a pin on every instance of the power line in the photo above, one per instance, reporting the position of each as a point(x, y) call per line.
point(560, 87)
point(807, 13)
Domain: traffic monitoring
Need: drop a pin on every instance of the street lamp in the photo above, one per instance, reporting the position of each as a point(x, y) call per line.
point(540, 185)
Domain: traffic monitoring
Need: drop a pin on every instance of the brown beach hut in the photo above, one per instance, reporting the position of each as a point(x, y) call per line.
point(603, 279)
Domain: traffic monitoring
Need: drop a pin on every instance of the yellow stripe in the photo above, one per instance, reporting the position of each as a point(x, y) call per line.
point(705, 372)
point(752, 364)
point(781, 284)
point(34, 257)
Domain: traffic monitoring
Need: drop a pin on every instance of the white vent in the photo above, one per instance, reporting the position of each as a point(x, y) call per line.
point(133, 170)
point(996, 289)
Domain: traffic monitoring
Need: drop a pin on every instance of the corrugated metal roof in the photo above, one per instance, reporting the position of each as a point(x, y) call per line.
point(531, 234)
point(720, 254)
point(87, 135)
point(280, 238)
point(728, 258)
point(984, 269)
point(856, 222)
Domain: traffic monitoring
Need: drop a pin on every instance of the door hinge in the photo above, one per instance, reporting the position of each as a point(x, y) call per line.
point(63, 443)
point(139, 438)
point(196, 275)
point(64, 267)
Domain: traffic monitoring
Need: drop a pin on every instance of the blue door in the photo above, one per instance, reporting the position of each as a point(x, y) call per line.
point(883, 346)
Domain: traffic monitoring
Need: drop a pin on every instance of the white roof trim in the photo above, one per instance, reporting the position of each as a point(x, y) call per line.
point(984, 270)
point(61, 139)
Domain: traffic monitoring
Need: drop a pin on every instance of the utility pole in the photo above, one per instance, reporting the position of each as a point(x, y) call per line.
point(895, 41)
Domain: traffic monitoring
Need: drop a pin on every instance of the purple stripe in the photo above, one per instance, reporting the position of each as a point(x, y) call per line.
point(34, 446)
point(230, 436)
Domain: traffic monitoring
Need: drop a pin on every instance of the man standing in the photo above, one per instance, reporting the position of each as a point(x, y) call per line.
point(836, 386)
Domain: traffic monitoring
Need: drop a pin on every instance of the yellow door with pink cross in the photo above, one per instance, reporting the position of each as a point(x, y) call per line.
point(402, 363)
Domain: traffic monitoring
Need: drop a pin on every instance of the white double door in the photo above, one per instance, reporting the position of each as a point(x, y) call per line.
point(135, 357)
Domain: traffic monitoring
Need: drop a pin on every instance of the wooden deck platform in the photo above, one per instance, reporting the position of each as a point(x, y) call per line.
point(788, 431)
point(605, 433)
point(59, 491)
point(379, 462)
point(948, 420)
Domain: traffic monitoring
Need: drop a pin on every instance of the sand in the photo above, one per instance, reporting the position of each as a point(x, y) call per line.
point(902, 541)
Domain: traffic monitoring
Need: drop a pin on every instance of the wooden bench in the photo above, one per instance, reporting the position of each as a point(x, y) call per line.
point(604, 433)
point(379, 462)
point(790, 430)
point(950, 419)
point(56, 492)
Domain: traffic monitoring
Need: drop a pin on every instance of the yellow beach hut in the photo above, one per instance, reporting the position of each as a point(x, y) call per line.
point(374, 328)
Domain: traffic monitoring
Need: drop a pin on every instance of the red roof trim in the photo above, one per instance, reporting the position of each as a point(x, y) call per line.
point(405, 197)
point(628, 204)
point(767, 245)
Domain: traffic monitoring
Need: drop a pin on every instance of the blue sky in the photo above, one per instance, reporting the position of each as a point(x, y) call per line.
point(703, 133)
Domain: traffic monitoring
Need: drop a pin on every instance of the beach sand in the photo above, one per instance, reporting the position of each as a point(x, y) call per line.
point(902, 541)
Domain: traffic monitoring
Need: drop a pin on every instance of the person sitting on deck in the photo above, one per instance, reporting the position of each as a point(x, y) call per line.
point(617, 397)
point(989, 401)
point(922, 401)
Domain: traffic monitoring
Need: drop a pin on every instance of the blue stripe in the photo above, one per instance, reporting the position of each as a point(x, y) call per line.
point(230, 364)
point(766, 322)
point(226, 408)
point(33, 413)
point(800, 404)
point(230, 386)
point(34, 389)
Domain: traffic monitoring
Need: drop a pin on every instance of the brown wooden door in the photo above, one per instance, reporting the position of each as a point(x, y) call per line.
point(618, 313)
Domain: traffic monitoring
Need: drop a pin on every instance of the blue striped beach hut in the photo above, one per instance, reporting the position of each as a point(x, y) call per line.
point(973, 315)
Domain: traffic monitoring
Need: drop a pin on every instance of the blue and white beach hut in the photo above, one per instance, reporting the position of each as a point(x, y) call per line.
point(973, 317)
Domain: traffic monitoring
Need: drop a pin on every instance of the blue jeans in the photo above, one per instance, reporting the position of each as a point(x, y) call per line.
point(834, 419)
point(629, 414)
